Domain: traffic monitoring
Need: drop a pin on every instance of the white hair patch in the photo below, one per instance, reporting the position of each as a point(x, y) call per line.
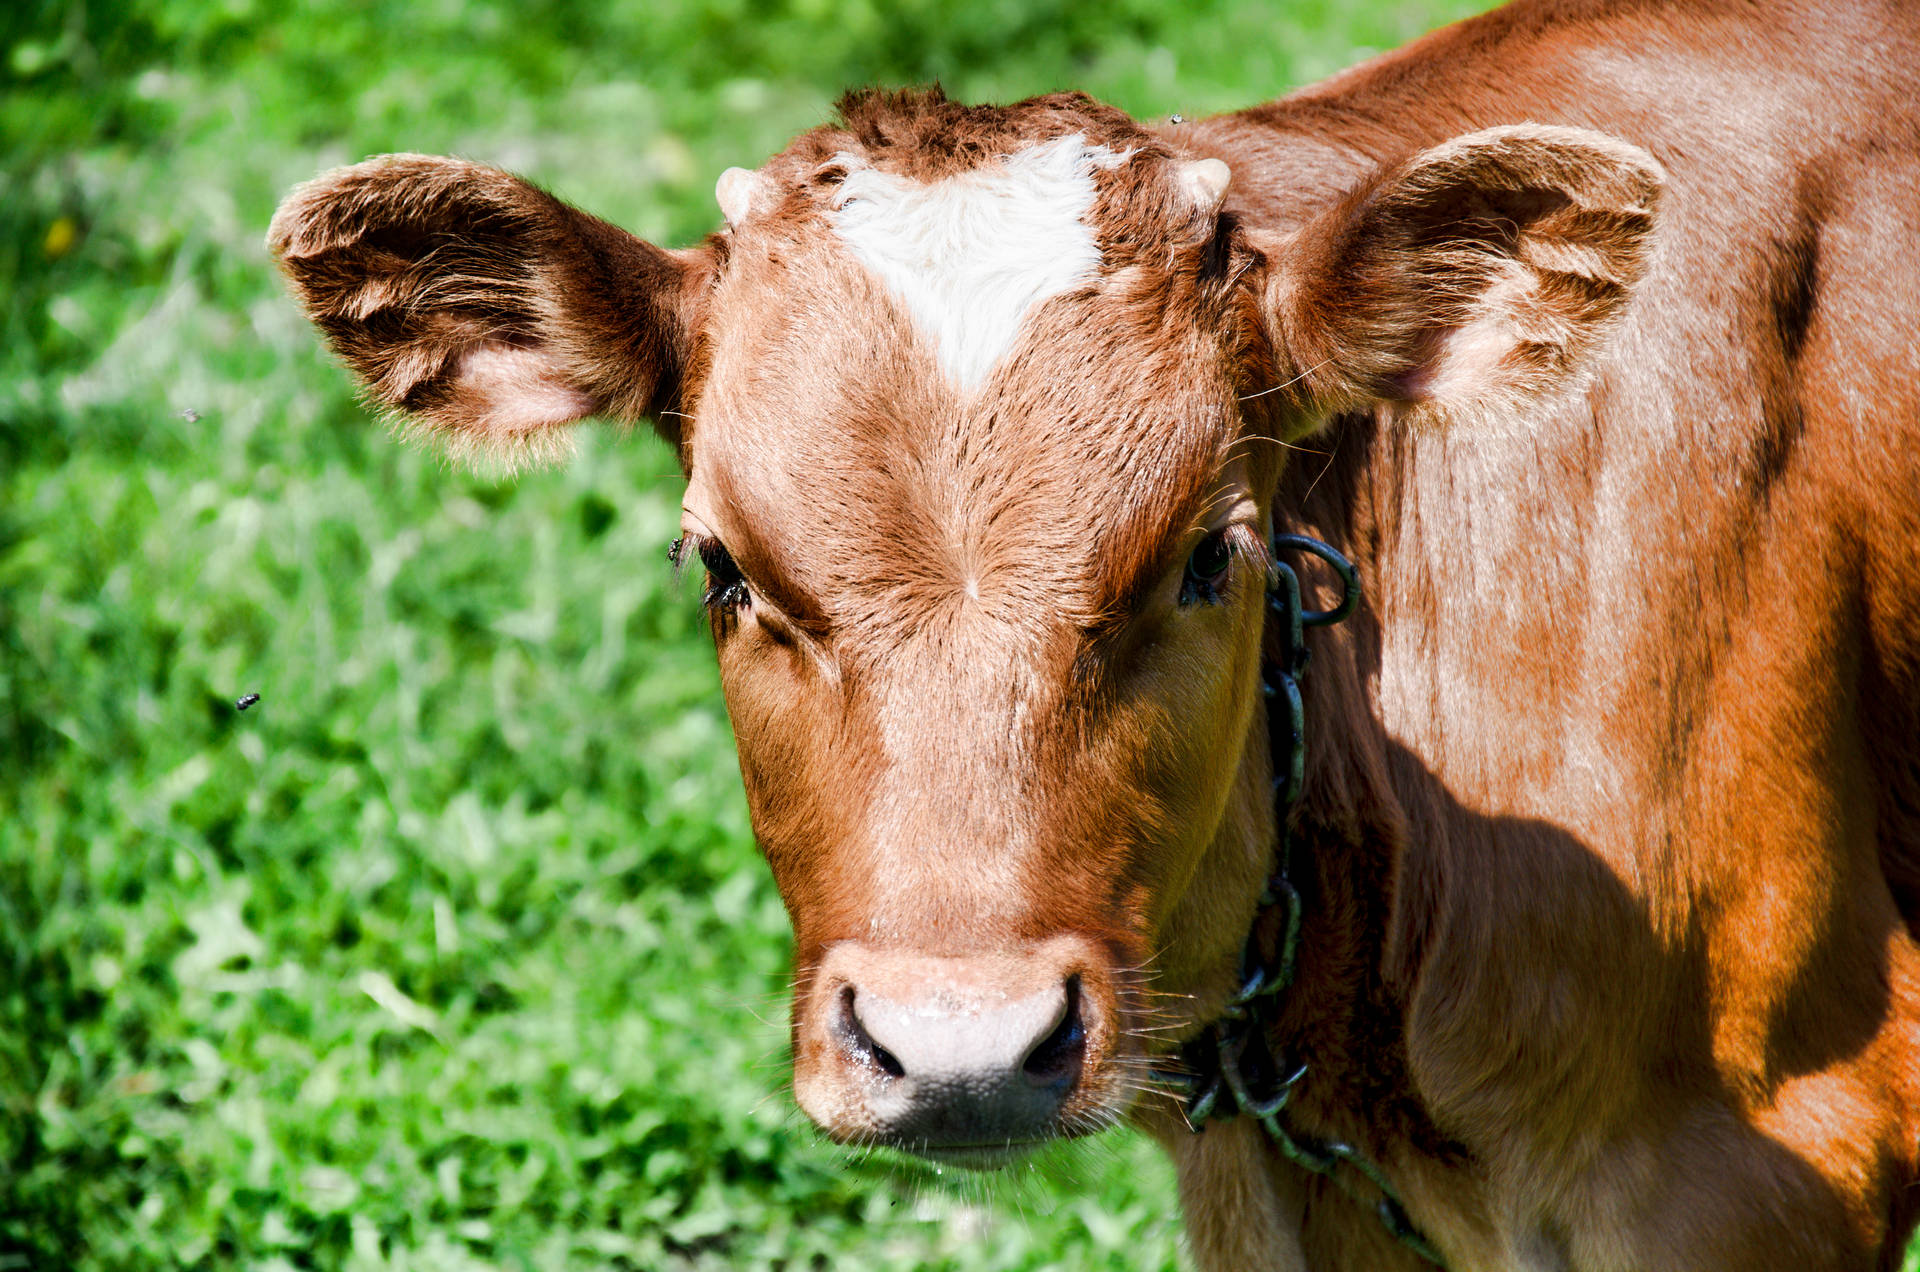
point(969, 255)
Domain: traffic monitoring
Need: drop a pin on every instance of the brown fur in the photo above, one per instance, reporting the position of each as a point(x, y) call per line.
point(413, 265)
point(1595, 324)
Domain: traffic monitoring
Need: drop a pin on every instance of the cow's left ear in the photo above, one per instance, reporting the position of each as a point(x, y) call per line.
point(485, 311)
point(1475, 277)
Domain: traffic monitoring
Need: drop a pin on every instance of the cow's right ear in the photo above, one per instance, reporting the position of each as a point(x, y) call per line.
point(484, 309)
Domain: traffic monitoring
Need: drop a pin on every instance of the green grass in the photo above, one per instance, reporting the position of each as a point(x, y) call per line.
point(455, 951)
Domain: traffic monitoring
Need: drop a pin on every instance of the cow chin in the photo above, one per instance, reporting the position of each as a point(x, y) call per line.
point(968, 1061)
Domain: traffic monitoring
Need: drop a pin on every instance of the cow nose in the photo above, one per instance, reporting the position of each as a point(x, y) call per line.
point(1040, 1038)
point(966, 1070)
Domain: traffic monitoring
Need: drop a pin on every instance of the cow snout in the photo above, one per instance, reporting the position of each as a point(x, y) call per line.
point(1003, 1058)
point(958, 1058)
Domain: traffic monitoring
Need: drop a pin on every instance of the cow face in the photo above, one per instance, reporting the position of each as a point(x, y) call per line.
point(960, 396)
point(985, 560)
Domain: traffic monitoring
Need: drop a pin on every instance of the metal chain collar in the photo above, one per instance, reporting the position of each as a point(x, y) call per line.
point(1231, 1067)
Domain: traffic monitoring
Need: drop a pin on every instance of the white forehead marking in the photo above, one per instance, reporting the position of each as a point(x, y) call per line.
point(971, 254)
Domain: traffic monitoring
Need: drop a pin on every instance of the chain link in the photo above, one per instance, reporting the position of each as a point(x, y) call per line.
point(1231, 1067)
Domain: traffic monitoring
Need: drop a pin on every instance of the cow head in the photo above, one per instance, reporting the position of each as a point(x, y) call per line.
point(977, 409)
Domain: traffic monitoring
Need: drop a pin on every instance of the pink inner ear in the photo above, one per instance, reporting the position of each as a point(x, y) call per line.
point(1467, 363)
point(513, 391)
point(1474, 359)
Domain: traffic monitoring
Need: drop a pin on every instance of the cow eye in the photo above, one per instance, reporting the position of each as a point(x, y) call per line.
point(726, 586)
point(1207, 570)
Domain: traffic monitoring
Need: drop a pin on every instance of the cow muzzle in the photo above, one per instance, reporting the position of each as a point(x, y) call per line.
point(967, 1060)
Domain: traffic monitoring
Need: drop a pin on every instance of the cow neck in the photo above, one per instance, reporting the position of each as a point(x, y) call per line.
point(1232, 1066)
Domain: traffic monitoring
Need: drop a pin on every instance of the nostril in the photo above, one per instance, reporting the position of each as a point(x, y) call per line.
point(858, 1043)
point(1056, 1059)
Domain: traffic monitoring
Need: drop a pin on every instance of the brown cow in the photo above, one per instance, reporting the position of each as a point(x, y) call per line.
point(1586, 329)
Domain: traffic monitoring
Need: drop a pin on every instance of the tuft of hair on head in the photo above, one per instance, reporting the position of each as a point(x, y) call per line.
point(923, 134)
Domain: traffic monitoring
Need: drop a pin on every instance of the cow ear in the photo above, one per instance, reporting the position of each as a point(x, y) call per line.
point(1476, 277)
point(486, 311)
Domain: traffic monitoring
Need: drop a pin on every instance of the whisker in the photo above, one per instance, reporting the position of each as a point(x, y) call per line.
point(1248, 397)
point(1322, 473)
point(1252, 438)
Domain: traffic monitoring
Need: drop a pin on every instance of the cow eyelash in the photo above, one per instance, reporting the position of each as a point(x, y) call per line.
point(726, 588)
point(1208, 567)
